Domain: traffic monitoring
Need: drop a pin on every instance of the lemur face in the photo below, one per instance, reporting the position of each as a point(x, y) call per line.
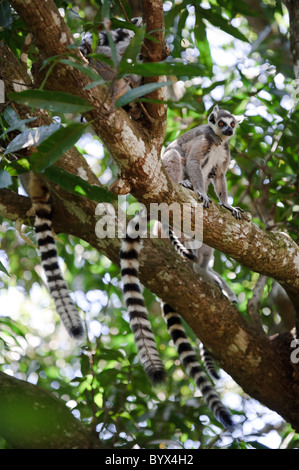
point(223, 123)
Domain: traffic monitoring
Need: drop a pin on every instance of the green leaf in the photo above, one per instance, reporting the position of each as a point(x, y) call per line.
point(217, 20)
point(106, 9)
point(10, 116)
point(83, 68)
point(101, 81)
point(77, 185)
point(164, 68)
point(133, 49)
point(114, 55)
point(31, 137)
point(5, 179)
point(3, 269)
point(7, 321)
point(15, 123)
point(85, 365)
point(142, 90)
point(57, 101)
point(97, 56)
point(203, 45)
point(56, 145)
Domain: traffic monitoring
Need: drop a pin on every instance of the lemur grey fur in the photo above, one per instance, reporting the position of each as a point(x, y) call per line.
point(42, 208)
point(202, 155)
point(196, 158)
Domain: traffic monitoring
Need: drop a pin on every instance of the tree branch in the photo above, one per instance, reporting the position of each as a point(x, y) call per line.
point(33, 418)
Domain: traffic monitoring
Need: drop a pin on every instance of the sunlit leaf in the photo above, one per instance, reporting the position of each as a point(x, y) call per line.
point(76, 185)
point(142, 90)
point(5, 179)
point(51, 149)
point(57, 101)
point(3, 269)
point(31, 138)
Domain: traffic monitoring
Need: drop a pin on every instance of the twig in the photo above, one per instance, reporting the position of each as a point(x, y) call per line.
point(253, 304)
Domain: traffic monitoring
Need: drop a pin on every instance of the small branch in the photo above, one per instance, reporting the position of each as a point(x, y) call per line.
point(155, 51)
point(293, 8)
point(253, 304)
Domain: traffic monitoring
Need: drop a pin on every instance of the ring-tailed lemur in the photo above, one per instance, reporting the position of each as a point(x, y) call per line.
point(139, 322)
point(194, 159)
point(40, 195)
point(131, 247)
point(42, 209)
point(202, 155)
point(193, 368)
point(208, 362)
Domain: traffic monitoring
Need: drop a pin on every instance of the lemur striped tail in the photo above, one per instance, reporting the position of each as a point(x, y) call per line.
point(208, 362)
point(139, 322)
point(178, 246)
point(189, 360)
point(58, 288)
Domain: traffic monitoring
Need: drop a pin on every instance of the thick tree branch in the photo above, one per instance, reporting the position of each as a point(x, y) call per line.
point(33, 418)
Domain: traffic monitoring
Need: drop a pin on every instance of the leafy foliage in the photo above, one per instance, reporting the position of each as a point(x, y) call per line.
point(102, 380)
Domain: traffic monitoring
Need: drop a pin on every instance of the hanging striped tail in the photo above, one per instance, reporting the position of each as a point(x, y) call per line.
point(189, 360)
point(208, 362)
point(177, 244)
point(58, 288)
point(139, 322)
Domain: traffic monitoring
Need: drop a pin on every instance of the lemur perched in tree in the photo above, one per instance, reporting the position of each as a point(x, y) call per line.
point(194, 159)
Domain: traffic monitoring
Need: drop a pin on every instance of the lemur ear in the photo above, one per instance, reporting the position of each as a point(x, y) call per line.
point(212, 117)
point(239, 119)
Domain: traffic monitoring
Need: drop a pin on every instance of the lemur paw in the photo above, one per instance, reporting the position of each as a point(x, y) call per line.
point(204, 198)
point(187, 184)
point(236, 211)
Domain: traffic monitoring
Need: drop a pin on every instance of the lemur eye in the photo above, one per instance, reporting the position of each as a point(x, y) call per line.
point(233, 124)
point(220, 123)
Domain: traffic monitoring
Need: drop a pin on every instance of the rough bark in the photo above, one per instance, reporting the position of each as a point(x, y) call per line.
point(293, 7)
point(259, 364)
